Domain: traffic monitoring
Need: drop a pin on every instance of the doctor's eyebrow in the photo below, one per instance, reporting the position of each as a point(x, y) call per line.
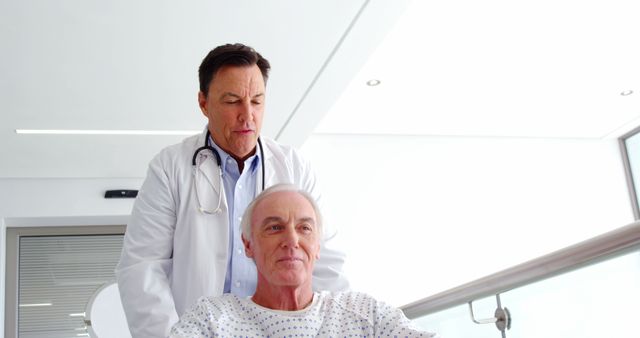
point(234, 95)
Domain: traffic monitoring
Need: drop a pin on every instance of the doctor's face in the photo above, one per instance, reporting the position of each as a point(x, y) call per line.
point(234, 106)
point(285, 242)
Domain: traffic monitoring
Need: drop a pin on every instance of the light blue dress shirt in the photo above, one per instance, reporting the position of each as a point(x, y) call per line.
point(240, 190)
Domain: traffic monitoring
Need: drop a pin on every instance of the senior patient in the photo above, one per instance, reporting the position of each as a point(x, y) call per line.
point(281, 231)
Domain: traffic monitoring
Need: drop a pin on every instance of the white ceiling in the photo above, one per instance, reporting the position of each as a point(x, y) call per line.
point(456, 67)
point(97, 65)
point(547, 68)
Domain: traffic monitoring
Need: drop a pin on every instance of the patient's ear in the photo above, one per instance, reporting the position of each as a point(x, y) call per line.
point(248, 250)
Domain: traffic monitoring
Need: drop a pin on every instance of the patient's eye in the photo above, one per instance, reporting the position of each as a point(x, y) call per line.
point(273, 227)
point(306, 228)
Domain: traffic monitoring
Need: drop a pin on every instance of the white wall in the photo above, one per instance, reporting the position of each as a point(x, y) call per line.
point(419, 215)
point(49, 202)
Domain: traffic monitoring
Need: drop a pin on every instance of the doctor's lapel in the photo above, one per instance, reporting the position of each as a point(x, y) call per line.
point(269, 172)
point(209, 184)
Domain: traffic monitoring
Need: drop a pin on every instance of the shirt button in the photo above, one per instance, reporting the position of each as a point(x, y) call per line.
point(237, 284)
point(240, 218)
point(239, 251)
point(239, 186)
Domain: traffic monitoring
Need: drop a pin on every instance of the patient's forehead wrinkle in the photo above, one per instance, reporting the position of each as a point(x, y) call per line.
point(270, 219)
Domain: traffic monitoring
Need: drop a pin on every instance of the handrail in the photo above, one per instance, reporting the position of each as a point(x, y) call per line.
point(608, 245)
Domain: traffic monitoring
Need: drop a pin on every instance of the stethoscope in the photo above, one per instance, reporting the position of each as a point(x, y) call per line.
point(206, 146)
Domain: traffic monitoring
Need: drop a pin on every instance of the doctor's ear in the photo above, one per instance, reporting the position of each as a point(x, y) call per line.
point(248, 249)
point(202, 102)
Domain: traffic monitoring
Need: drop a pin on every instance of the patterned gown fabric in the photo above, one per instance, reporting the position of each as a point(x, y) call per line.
point(346, 314)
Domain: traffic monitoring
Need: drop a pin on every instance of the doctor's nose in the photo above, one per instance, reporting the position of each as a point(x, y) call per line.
point(246, 113)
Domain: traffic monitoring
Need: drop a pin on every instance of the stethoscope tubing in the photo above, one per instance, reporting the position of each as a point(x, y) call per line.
point(206, 146)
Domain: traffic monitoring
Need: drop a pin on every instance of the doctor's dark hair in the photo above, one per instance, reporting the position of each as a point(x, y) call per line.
point(245, 224)
point(235, 54)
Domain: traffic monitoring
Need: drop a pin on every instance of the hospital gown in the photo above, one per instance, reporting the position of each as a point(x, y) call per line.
point(346, 314)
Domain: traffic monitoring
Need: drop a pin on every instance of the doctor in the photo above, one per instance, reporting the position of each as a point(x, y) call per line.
point(183, 240)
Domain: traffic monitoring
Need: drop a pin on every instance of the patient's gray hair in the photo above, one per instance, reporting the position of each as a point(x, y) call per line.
point(245, 224)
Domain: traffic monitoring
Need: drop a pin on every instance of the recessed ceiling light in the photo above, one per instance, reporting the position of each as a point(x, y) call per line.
point(373, 82)
point(105, 132)
point(626, 92)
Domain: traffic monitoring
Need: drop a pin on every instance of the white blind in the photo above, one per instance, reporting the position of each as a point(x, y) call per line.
point(57, 277)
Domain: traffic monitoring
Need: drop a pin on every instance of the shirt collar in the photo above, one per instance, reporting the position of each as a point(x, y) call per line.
point(251, 162)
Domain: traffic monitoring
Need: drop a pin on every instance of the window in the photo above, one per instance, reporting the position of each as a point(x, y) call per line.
point(52, 272)
point(630, 147)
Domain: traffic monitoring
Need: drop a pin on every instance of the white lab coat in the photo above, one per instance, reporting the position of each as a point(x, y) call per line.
point(173, 253)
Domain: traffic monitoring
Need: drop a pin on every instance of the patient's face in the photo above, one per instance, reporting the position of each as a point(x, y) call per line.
point(284, 240)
